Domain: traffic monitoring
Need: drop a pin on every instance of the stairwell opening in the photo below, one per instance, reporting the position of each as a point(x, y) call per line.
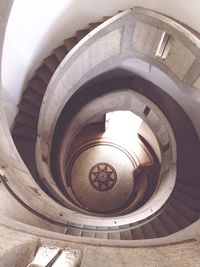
point(122, 125)
point(110, 166)
point(143, 219)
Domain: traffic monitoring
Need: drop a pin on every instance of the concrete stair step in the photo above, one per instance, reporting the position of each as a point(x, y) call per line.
point(102, 234)
point(180, 220)
point(126, 235)
point(38, 85)
point(33, 97)
point(24, 131)
point(26, 148)
point(106, 18)
point(93, 25)
point(29, 108)
point(44, 73)
point(26, 119)
point(82, 33)
point(149, 231)
point(188, 201)
point(90, 234)
point(188, 213)
point(51, 62)
point(137, 233)
point(74, 231)
point(60, 52)
point(190, 191)
point(114, 235)
point(170, 225)
point(70, 43)
point(159, 227)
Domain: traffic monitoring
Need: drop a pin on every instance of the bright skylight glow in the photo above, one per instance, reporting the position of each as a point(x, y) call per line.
point(122, 126)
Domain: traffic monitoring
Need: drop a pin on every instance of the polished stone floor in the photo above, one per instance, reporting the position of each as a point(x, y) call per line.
point(102, 178)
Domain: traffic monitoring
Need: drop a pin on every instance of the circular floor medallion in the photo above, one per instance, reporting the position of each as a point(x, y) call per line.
point(102, 176)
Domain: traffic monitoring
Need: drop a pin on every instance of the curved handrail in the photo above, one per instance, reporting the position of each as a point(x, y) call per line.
point(122, 228)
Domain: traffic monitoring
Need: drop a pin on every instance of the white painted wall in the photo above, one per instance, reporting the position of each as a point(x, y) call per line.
point(37, 26)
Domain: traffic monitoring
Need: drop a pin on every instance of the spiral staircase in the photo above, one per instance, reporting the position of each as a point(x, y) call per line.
point(58, 141)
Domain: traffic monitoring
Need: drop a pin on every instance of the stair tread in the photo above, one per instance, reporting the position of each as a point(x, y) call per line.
point(101, 234)
point(126, 235)
point(70, 43)
point(159, 227)
point(74, 231)
point(148, 231)
point(94, 25)
point(186, 212)
point(82, 33)
point(88, 234)
point(26, 148)
point(188, 201)
point(60, 52)
point(168, 222)
point(28, 107)
point(177, 217)
point(26, 119)
point(51, 62)
point(32, 96)
point(106, 18)
point(37, 84)
point(137, 233)
point(190, 191)
point(114, 235)
point(24, 131)
point(44, 73)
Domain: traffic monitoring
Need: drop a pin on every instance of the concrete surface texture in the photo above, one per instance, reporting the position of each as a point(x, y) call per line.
point(17, 248)
point(186, 255)
point(24, 249)
point(142, 34)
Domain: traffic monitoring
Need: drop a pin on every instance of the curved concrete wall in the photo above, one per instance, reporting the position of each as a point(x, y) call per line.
point(19, 243)
point(128, 100)
point(19, 178)
point(135, 34)
point(10, 161)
